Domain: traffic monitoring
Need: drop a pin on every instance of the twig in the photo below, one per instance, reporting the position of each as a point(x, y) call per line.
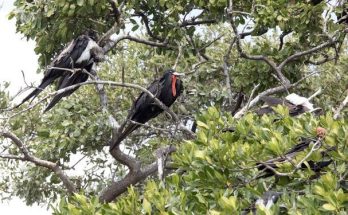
point(178, 57)
point(315, 94)
point(252, 95)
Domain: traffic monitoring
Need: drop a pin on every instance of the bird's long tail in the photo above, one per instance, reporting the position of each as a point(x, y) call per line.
point(37, 91)
point(54, 101)
point(120, 137)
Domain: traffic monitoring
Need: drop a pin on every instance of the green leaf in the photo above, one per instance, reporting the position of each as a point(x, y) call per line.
point(329, 207)
point(147, 206)
point(80, 2)
point(202, 125)
point(135, 27)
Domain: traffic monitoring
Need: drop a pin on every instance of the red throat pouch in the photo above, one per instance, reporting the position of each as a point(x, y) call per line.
point(173, 85)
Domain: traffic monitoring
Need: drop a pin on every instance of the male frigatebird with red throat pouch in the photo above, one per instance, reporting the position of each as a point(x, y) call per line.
point(166, 89)
point(69, 67)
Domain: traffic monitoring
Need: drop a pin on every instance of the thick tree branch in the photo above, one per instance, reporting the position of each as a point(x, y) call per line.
point(39, 162)
point(135, 175)
point(104, 99)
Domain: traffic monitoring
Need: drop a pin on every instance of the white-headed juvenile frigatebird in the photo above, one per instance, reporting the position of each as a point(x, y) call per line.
point(296, 104)
point(166, 89)
point(80, 54)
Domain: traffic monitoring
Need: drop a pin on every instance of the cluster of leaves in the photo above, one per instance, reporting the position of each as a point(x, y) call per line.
point(214, 169)
point(216, 172)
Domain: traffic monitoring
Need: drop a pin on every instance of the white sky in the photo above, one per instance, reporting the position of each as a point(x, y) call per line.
point(16, 54)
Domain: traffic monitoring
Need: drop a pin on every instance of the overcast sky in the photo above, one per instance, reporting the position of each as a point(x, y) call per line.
point(16, 54)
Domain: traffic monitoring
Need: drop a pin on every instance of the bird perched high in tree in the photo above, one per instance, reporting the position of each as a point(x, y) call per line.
point(79, 55)
point(166, 89)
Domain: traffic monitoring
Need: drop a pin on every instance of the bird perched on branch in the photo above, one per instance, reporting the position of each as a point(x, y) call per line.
point(296, 104)
point(166, 89)
point(79, 55)
point(290, 155)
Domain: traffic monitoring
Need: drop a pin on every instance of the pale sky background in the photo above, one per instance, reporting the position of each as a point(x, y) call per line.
point(16, 54)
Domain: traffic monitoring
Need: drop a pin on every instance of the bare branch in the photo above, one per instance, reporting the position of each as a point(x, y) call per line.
point(104, 100)
point(263, 58)
point(226, 72)
point(307, 52)
point(337, 113)
point(267, 92)
point(315, 94)
point(39, 162)
point(147, 26)
point(134, 176)
point(107, 47)
point(12, 157)
point(178, 57)
point(200, 22)
point(251, 96)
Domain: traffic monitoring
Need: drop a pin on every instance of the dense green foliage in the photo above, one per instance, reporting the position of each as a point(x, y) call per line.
point(215, 172)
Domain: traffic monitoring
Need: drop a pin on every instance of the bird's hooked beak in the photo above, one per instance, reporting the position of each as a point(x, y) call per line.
point(98, 54)
point(178, 74)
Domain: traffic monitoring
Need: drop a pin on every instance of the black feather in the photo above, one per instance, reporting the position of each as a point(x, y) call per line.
point(67, 59)
point(145, 108)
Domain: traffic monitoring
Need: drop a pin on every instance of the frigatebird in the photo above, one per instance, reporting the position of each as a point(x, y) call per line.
point(166, 89)
point(67, 80)
point(80, 54)
point(304, 143)
point(296, 104)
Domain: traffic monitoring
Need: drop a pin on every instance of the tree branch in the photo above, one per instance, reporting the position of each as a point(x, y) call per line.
point(119, 23)
point(199, 22)
point(39, 162)
point(134, 176)
point(226, 72)
point(108, 46)
point(147, 26)
point(307, 52)
point(337, 112)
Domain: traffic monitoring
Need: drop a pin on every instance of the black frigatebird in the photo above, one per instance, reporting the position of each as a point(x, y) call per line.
point(166, 89)
point(80, 54)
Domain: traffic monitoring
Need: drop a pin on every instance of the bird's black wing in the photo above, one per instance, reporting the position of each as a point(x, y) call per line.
point(64, 60)
point(271, 101)
point(67, 81)
point(141, 111)
point(144, 101)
